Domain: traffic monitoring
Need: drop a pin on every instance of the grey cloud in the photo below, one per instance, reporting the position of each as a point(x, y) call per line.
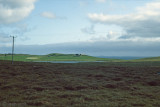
point(143, 23)
point(88, 30)
point(12, 11)
point(147, 28)
point(92, 48)
point(16, 3)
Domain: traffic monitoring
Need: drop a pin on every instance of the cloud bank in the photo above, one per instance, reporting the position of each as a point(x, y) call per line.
point(102, 48)
point(145, 22)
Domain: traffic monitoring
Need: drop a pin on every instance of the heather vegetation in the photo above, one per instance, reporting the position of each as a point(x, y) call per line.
point(108, 84)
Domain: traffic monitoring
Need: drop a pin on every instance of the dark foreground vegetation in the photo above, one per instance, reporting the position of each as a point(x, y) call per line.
point(109, 84)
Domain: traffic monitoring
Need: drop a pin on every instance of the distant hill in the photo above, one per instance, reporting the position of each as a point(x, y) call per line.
point(68, 57)
point(54, 57)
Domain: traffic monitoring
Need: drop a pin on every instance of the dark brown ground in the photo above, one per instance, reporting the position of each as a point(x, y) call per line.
point(80, 85)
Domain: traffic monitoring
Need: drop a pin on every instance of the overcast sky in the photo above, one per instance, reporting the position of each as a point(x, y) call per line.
point(94, 27)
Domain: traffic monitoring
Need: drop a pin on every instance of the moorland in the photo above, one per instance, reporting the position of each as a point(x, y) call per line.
point(103, 84)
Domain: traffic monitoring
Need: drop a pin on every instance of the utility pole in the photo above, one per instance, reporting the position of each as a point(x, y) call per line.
point(13, 47)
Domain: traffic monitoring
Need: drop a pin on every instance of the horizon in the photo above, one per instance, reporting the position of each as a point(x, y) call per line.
point(108, 57)
point(100, 56)
point(91, 27)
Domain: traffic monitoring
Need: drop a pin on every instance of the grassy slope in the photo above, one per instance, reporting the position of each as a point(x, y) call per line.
point(53, 57)
point(147, 59)
point(80, 85)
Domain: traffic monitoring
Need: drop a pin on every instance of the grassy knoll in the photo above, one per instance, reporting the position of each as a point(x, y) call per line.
point(53, 57)
point(112, 84)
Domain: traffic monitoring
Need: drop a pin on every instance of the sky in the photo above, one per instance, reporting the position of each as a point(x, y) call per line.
point(92, 27)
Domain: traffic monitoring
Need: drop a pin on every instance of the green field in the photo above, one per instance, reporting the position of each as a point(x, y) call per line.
point(53, 57)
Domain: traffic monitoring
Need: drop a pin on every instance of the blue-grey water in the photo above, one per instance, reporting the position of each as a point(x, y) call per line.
point(112, 57)
point(122, 57)
point(69, 61)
